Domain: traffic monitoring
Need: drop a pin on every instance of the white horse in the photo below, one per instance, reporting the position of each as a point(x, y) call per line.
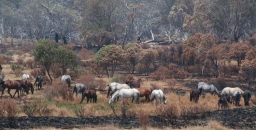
point(125, 93)
point(210, 88)
point(158, 95)
point(114, 86)
point(25, 77)
point(67, 79)
point(231, 92)
point(79, 88)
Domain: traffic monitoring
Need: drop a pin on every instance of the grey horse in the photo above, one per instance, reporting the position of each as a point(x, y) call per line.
point(79, 88)
point(210, 88)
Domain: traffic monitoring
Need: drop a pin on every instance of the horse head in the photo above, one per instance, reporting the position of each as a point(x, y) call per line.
point(165, 100)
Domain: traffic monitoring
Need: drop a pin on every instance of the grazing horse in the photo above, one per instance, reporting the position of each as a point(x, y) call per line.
point(114, 86)
point(39, 81)
point(158, 95)
point(29, 85)
point(223, 103)
point(210, 88)
point(67, 79)
point(236, 97)
point(1, 68)
point(89, 94)
point(25, 77)
point(126, 93)
point(134, 83)
point(14, 85)
point(145, 92)
point(1, 80)
point(247, 97)
point(79, 88)
point(228, 91)
point(194, 95)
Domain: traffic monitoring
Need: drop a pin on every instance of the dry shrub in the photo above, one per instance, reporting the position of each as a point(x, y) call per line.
point(30, 63)
point(211, 125)
point(36, 72)
point(63, 112)
point(35, 108)
point(8, 108)
point(2, 60)
point(144, 119)
point(85, 54)
point(172, 69)
point(20, 60)
point(181, 74)
point(101, 84)
point(87, 111)
point(56, 70)
point(58, 90)
point(172, 82)
point(96, 69)
point(154, 86)
point(162, 73)
point(88, 80)
point(252, 40)
point(18, 73)
point(145, 45)
point(253, 100)
point(120, 78)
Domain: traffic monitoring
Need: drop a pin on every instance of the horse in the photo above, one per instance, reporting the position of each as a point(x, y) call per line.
point(67, 79)
point(1, 80)
point(39, 81)
point(194, 95)
point(14, 85)
point(126, 93)
point(145, 92)
point(114, 86)
point(25, 77)
point(223, 103)
point(210, 88)
point(89, 94)
point(158, 95)
point(236, 97)
point(29, 85)
point(79, 88)
point(134, 83)
point(247, 97)
point(1, 68)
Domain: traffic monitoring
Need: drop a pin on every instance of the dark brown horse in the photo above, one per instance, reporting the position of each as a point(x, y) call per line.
point(145, 92)
point(133, 83)
point(89, 94)
point(13, 84)
point(29, 85)
point(194, 95)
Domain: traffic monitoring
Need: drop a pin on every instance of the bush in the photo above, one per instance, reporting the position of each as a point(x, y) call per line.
point(36, 72)
point(181, 74)
point(30, 63)
point(118, 79)
point(58, 90)
point(143, 119)
point(222, 82)
point(8, 108)
point(16, 67)
point(87, 111)
point(35, 108)
point(20, 60)
point(162, 73)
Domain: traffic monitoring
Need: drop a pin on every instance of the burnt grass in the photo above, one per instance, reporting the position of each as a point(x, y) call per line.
point(237, 118)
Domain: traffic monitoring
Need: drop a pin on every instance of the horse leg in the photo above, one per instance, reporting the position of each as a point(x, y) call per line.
point(9, 92)
point(2, 92)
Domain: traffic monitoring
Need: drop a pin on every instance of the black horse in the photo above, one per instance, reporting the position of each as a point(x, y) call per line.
point(194, 95)
point(39, 82)
point(223, 102)
point(247, 96)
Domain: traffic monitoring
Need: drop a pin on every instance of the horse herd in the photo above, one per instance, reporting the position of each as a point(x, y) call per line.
point(227, 95)
point(131, 89)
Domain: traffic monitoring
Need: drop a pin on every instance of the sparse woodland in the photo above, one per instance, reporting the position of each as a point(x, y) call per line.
point(169, 44)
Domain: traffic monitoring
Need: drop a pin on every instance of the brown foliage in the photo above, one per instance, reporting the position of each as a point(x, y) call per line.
point(30, 63)
point(221, 81)
point(162, 73)
point(20, 60)
point(35, 108)
point(181, 74)
point(36, 72)
point(8, 108)
point(85, 54)
point(58, 90)
point(144, 119)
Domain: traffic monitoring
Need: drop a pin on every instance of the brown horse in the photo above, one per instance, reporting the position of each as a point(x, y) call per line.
point(89, 94)
point(29, 85)
point(13, 84)
point(145, 92)
point(133, 83)
point(194, 95)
